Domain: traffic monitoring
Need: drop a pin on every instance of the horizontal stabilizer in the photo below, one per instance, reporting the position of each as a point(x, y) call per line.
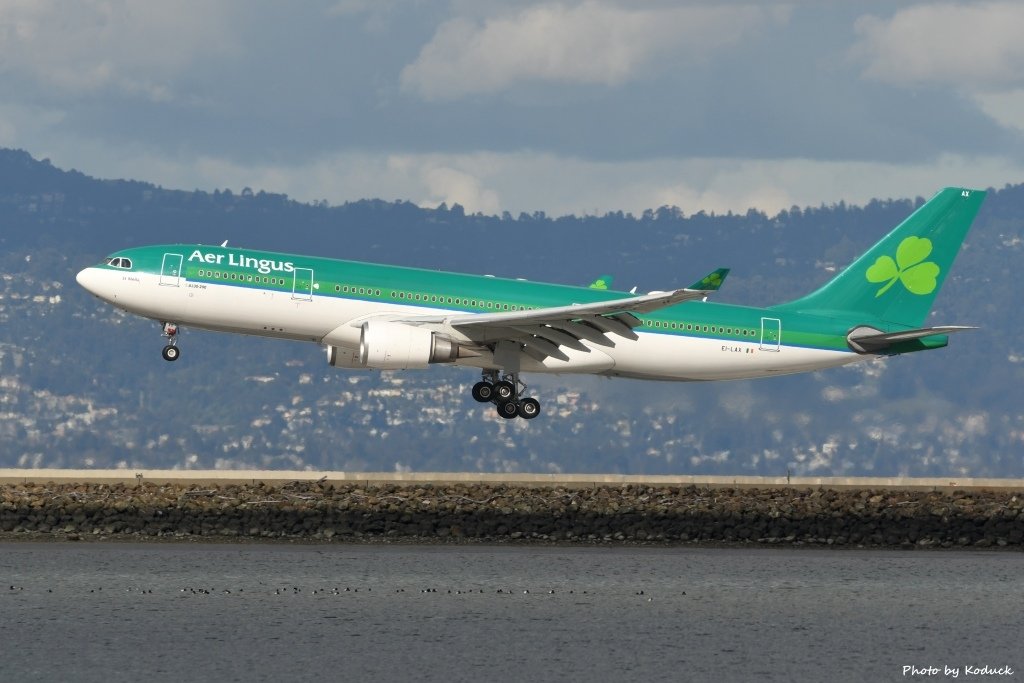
point(870, 340)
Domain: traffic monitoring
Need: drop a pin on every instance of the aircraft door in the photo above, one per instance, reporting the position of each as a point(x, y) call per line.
point(302, 285)
point(771, 334)
point(170, 270)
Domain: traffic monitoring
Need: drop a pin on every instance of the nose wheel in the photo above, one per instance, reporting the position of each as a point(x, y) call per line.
point(171, 351)
point(506, 395)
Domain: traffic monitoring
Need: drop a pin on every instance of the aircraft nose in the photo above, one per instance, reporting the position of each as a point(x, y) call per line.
point(88, 278)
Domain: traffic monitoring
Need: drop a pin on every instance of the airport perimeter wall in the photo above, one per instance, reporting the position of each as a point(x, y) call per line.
point(586, 509)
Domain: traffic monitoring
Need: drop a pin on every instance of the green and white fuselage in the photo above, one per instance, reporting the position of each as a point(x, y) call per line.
point(378, 316)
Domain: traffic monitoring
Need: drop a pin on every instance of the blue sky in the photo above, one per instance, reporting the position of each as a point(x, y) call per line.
point(572, 107)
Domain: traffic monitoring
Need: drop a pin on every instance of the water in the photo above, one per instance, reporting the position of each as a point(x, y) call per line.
point(136, 611)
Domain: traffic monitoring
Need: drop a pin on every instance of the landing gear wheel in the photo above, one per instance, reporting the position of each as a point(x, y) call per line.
point(170, 332)
point(528, 409)
point(483, 392)
point(508, 409)
point(504, 391)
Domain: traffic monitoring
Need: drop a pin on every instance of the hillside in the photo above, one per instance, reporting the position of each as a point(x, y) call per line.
point(82, 385)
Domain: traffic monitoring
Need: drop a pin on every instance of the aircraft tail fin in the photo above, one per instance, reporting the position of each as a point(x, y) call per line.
point(711, 282)
point(897, 280)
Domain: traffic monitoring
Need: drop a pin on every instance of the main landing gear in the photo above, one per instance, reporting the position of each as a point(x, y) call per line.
point(504, 393)
point(171, 351)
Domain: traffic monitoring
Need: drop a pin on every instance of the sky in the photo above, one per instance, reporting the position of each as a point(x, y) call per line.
point(563, 107)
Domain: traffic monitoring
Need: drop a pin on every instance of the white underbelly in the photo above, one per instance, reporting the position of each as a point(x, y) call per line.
point(660, 356)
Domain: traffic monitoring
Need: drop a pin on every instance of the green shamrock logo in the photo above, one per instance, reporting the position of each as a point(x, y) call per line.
point(599, 284)
point(910, 268)
point(712, 281)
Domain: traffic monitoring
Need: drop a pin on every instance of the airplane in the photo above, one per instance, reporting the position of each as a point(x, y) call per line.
point(370, 316)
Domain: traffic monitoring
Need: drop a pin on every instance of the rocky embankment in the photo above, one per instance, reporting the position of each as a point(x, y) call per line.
point(498, 513)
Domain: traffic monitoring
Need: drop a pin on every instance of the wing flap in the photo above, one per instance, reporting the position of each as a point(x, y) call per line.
point(581, 330)
point(545, 347)
point(552, 335)
point(611, 326)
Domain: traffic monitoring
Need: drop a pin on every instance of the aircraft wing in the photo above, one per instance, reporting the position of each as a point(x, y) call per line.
point(541, 331)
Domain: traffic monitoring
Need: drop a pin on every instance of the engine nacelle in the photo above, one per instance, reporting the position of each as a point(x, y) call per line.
point(344, 357)
point(387, 345)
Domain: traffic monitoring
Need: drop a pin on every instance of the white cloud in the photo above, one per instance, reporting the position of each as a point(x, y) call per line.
point(131, 46)
point(375, 15)
point(21, 122)
point(458, 187)
point(527, 182)
point(591, 43)
point(972, 46)
point(1007, 108)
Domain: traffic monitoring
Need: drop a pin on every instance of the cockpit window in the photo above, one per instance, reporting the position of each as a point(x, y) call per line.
point(119, 262)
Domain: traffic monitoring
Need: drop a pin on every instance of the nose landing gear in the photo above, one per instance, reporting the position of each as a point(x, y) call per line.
point(505, 394)
point(171, 351)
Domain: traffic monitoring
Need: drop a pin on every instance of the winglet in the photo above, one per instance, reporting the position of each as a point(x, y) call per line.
point(712, 281)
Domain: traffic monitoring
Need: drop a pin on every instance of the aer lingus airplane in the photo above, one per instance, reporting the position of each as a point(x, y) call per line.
point(384, 317)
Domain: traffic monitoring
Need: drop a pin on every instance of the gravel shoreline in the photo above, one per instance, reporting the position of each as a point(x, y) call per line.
point(491, 513)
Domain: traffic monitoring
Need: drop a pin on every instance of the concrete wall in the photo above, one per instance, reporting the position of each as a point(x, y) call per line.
point(275, 477)
point(513, 512)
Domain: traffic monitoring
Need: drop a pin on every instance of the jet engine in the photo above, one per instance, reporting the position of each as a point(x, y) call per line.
point(387, 345)
point(396, 346)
